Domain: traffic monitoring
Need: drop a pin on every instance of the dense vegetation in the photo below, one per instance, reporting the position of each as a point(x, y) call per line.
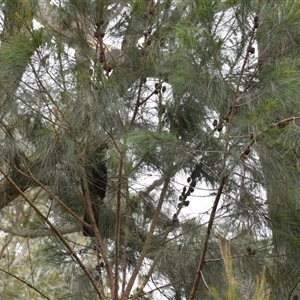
point(119, 119)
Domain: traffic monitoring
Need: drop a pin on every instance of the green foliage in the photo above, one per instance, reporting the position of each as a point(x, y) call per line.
point(153, 148)
point(232, 291)
point(220, 123)
point(17, 51)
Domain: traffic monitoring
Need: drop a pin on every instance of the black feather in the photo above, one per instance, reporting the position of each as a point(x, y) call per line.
point(97, 180)
point(97, 183)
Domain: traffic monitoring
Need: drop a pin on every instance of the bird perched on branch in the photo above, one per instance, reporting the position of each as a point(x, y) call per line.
point(96, 173)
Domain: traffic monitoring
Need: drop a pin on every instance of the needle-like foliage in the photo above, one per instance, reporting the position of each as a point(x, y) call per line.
point(136, 137)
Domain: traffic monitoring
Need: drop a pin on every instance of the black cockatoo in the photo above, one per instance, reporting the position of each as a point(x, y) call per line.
point(96, 173)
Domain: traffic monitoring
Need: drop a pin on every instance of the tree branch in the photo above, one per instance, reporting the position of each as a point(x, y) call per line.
point(148, 240)
point(58, 234)
point(36, 233)
point(118, 226)
point(25, 282)
point(207, 237)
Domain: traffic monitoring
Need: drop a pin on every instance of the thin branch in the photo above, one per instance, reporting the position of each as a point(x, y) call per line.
point(28, 284)
point(292, 290)
point(126, 234)
point(148, 240)
point(246, 254)
point(146, 279)
point(118, 226)
point(205, 282)
point(207, 237)
point(6, 243)
point(278, 124)
point(58, 234)
point(35, 233)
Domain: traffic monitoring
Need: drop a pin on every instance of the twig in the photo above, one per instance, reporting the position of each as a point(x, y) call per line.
point(207, 237)
point(25, 282)
point(294, 287)
point(59, 235)
point(205, 283)
point(148, 240)
point(118, 226)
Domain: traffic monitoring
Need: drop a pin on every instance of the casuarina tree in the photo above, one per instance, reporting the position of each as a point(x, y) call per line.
point(119, 119)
